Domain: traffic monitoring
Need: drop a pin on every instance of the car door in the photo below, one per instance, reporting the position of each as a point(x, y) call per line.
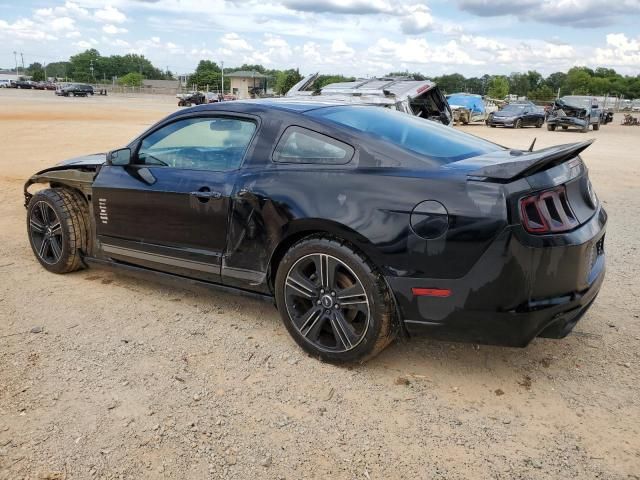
point(167, 208)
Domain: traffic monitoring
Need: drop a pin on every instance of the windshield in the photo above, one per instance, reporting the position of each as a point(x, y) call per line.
point(584, 102)
point(437, 142)
point(514, 109)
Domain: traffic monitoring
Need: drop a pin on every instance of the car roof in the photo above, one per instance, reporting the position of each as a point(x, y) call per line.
point(259, 105)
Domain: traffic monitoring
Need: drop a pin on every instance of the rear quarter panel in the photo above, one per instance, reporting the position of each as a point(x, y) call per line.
point(370, 208)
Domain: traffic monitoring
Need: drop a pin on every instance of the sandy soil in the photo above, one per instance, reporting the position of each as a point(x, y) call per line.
point(134, 380)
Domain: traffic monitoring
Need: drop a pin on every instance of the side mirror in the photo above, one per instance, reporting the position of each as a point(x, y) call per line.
point(121, 156)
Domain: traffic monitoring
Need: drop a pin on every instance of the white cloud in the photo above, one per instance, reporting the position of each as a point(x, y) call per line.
point(339, 47)
point(418, 19)
point(83, 45)
point(620, 51)
point(113, 30)
point(110, 14)
point(24, 29)
point(573, 13)
point(235, 43)
point(62, 23)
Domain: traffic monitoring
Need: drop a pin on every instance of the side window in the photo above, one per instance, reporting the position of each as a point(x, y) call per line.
point(299, 145)
point(198, 144)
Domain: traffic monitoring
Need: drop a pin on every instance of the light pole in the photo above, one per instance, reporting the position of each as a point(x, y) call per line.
point(222, 67)
point(15, 57)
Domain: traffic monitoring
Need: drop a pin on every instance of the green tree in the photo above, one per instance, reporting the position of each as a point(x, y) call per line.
point(58, 69)
point(451, 83)
point(208, 75)
point(498, 87)
point(286, 79)
point(542, 93)
point(519, 84)
point(37, 75)
point(556, 81)
point(578, 80)
point(132, 79)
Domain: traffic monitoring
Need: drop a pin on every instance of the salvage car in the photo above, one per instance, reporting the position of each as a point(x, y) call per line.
point(576, 112)
point(361, 223)
point(467, 108)
point(75, 90)
point(421, 98)
point(517, 115)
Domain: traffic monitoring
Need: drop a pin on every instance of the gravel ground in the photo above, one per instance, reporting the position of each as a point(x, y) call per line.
point(105, 376)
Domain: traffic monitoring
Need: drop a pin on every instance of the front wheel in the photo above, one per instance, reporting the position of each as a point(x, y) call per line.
point(57, 226)
point(518, 124)
point(333, 302)
point(585, 129)
point(596, 126)
point(551, 128)
point(539, 123)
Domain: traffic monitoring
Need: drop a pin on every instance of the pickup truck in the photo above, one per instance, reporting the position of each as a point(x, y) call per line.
point(576, 112)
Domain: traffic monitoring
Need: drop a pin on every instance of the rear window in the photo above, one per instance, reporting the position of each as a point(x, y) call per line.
point(299, 145)
point(437, 142)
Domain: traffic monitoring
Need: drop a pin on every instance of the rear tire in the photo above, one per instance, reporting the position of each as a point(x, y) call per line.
point(333, 302)
point(551, 128)
point(57, 225)
point(539, 123)
point(596, 126)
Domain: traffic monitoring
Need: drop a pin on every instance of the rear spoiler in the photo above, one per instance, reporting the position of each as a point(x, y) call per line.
point(527, 163)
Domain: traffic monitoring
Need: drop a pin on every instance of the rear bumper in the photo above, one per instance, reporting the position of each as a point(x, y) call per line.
point(514, 293)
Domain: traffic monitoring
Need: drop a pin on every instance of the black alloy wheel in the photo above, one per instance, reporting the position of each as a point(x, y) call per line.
point(327, 303)
point(57, 224)
point(46, 233)
point(518, 123)
point(333, 301)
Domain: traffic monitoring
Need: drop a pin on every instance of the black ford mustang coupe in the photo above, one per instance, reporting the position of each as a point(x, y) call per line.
point(362, 223)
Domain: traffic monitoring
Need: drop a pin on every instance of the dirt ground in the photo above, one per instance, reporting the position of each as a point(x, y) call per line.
point(105, 376)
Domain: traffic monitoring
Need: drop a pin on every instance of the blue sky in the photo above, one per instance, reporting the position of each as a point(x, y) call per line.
point(353, 37)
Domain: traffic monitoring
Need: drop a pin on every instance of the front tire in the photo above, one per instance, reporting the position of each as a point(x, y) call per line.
point(57, 226)
point(333, 302)
point(551, 128)
point(518, 124)
point(539, 123)
point(585, 129)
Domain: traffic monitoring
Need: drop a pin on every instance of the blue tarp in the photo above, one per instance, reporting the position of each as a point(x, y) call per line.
point(472, 102)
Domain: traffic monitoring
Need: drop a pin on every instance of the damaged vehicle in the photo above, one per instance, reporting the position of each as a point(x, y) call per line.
point(575, 112)
point(421, 98)
point(517, 115)
point(360, 223)
point(467, 108)
point(191, 98)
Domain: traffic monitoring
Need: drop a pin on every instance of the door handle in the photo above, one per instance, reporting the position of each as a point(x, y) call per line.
point(206, 194)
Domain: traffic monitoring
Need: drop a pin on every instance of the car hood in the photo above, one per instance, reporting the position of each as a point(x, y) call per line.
point(569, 107)
point(503, 114)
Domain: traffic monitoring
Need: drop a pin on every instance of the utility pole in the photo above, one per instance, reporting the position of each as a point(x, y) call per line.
point(15, 57)
point(22, 57)
point(222, 67)
point(91, 69)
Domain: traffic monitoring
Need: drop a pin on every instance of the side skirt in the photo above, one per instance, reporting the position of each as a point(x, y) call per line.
point(174, 280)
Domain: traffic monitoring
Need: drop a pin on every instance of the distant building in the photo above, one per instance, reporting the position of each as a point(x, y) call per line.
point(245, 83)
point(9, 75)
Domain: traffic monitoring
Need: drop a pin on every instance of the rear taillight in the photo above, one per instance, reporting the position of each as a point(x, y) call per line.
point(547, 212)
